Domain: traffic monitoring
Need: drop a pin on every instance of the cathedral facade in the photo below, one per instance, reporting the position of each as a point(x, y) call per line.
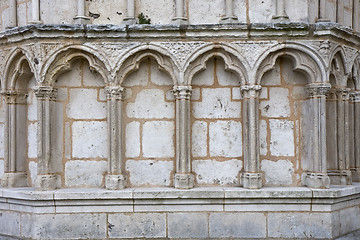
point(179, 119)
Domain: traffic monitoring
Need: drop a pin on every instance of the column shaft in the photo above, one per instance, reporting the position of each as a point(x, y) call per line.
point(251, 177)
point(229, 13)
point(13, 14)
point(280, 15)
point(317, 177)
point(115, 179)
point(80, 18)
point(355, 99)
point(183, 176)
point(35, 12)
point(322, 11)
point(356, 20)
point(179, 13)
point(130, 18)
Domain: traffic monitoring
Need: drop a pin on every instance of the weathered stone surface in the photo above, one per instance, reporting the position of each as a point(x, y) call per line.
point(64, 226)
point(211, 172)
point(225, 139)
point(150, 103)
point(1, 168)
point(188, 225)
point(278, 104)
point(32, 140)
point(263, 137)
point(84, 105)
point(158, 139)
point(237, 225)
point(282, 138)
point(199, 139)
point(278, 173)
point(2, 128)
point(10, 223)
point(89, 139)
point(132, 139)
point(351, 217)
point(137, 225)
point(149, 172)
point(33, 171)
point(85, 173)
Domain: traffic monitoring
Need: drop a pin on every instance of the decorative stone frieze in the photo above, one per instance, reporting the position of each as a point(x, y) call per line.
point(317, 177)
point(183, 176)
point(46, 178)
point(251, 177)
point(115, 179)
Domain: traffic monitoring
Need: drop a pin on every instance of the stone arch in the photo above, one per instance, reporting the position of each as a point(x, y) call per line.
point(61, 60)
point(304, 60)
point(231, 58)
point(131, 62)
point(337, 68)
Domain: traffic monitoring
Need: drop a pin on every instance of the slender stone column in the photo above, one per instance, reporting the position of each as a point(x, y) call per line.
point(322, 12)
point(80, 18)
point(115, 179)
point(183, 176)
point(340, 12)
point(46, 179)
point(179, 13)
point(281, 15)
point(15, 161)
point(12, 14)
point(35, 12)
point(130, 18)
point(317, 177)
point(229, 13)
point(355, 99)
point(251, 177)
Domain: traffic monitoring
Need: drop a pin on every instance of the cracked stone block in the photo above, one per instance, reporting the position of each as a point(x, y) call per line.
point(32, 140)
point(158, 139)
point(137, 225)
point(85, 173)
point(33, 171)
point(84, 105)
point(278, 104)
point(89, 139)
point(263, 137)
point(188, 225)
point(150, 103)
point(132, 139)
point(216, 172)
point(149, 172)
point(216, 103)
point(225, 139)
point(278, 173)
point(282, 138)
point(199, 139)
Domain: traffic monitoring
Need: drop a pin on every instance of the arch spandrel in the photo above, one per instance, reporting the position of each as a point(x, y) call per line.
point(305, 60)
point(61, 61)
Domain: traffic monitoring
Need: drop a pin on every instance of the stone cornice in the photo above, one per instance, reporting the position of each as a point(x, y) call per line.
point(239, 31)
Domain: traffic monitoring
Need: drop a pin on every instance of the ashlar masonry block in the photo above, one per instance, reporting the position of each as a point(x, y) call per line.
point(262, 137)
point(216, 172)
point(225, 139)
point(188, 225)
point(216, 103)
point(89, 139)
point(278, 104)
point(85, 173)
point(282, 138)
point(32, 140)
point(149, 172)
point(33, 171)
point(277, 173)
point(199, 139)
point(150, 103)
point(84, 105)
point(132, 139)
point(158, 139)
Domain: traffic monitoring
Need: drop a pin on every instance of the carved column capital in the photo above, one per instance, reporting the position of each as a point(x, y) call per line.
point(182, 92)
point(15, 97)
point(45, 92)
point(250, 91)
point(355, 96)
point(114, 92)
point(318, 89)
point(343, 94)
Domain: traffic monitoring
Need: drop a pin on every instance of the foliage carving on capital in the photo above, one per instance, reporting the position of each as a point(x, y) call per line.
point(182, 92)
point(15, 97)
point(114, 93)
point(318, 89)
point(343, 94)
point(250, 91)
point(45, 92)
point(355, 96)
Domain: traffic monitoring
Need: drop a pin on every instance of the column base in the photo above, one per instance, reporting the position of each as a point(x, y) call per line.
point(355, 173)
point(280, 19)
point(184, 180)
point(251, 180)
point(229, 20)
point(340, 177)
point(82, 20)
point(47, 182)
point(115, 182)
point(180, 21)
point(129, 21)
point(13, 180)
point(317, 180)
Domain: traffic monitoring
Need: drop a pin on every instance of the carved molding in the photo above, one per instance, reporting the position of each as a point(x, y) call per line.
point(114, 92)
point(318, 89)
point(343, 94)
point(182, 92)
point(15, 97)
point(355, 96)
point(250, 91)
point(45, 92)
